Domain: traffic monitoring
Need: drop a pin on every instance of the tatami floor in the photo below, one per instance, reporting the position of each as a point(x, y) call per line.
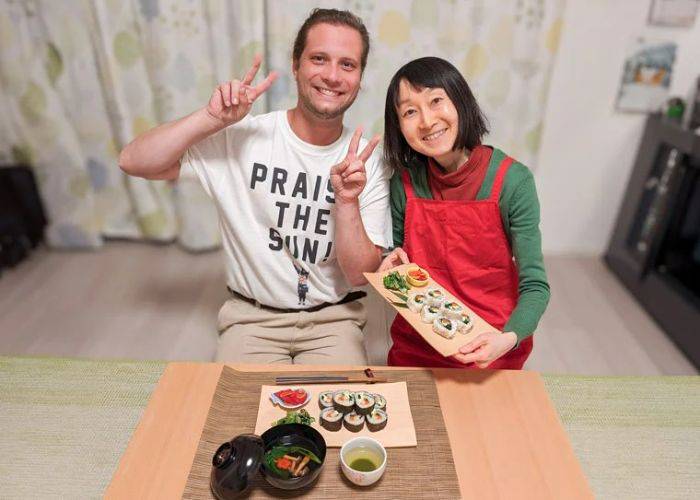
point(141, 301)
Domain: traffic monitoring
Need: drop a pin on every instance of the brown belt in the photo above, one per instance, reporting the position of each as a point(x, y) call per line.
point(348, 298)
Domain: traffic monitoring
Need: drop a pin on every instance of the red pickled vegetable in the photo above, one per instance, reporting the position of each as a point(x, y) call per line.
point(291, 396)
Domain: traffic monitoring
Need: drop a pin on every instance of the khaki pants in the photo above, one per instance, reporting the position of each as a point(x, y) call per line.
point(254, 334)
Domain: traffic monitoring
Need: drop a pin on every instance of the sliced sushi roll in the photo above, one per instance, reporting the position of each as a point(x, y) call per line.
point(379, 402)
point(416, 301)
point(445, 327)
point(464, 323)
point(354, 422)
point(331, 419)
point(364, 402)
point(452, 309)
point(435, 296)
point(377, 420)
point(429, 314)
point(344, 401)
point(325, 400)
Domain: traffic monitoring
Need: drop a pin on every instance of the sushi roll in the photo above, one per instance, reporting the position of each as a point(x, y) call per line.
point(354, 422)
point(429, 314)
point(452, 310)
point(464, 323)
point(444, 327)
point(325, 400)
point(377, 420)
point(379, 402)
point(435, 297)
point(331, 419)
point(344, 401)
point(416, 301)
point(364, 402)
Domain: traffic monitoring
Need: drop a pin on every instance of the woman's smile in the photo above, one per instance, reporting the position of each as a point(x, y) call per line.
point(435, 135)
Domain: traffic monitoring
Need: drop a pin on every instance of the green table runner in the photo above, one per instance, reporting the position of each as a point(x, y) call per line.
point(64, 424)
point(67, 423)
point(636, 437)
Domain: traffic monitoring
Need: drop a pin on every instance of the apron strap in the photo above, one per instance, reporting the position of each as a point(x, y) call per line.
point(500, 176)
point(407, 186)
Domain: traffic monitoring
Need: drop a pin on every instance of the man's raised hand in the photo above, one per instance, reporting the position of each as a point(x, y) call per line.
point(349, 177)
point(231, 101)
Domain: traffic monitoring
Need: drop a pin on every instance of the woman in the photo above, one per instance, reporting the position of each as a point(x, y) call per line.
point(465, 212)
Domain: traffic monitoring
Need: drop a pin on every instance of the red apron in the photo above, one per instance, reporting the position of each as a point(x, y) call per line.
point(463, 246)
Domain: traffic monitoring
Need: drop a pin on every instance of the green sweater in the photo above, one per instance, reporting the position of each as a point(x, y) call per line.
point(520, 212)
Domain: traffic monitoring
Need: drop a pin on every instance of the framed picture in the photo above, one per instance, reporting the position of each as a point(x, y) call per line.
point(646, 75)
point(676, 13)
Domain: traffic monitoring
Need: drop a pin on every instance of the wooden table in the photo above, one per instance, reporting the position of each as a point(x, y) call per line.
point(507, 441)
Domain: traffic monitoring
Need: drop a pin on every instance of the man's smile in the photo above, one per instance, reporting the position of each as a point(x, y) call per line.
point(328, 92)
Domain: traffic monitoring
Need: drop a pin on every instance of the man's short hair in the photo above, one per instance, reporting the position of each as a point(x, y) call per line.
point(337, 18)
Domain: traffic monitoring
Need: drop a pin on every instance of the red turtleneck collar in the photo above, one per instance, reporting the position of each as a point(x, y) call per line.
point(465, 182)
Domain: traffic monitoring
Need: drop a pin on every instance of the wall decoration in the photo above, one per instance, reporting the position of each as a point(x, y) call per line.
point(676, 13)
point(646, 75)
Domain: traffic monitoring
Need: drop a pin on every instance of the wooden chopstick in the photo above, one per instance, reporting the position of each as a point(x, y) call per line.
point(314, 377)
point(314, 380)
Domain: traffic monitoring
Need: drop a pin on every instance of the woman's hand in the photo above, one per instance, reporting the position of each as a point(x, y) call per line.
point(231, 101)
point(486, 348)
point(393, 259)
point(348, 177)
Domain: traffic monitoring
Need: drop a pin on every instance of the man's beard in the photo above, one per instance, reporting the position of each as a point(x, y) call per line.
point(309, 106)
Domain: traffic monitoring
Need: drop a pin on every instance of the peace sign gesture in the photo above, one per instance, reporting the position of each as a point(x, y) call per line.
point(349, 177)
point(231, 101)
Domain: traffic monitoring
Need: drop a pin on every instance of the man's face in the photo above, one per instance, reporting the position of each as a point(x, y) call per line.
point(328, 72)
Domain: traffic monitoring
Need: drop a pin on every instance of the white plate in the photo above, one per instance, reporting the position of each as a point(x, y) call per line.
point(277, 401)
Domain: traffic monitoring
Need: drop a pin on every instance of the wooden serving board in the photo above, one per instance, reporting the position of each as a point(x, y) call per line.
point(399, 431)
point(446, 347)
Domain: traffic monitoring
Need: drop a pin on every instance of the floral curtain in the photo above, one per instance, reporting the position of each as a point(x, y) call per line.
point(80, 78)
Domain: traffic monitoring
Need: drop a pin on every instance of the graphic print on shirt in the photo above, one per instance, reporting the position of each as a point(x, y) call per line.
point(296, 213)
point(302, 274)
point(302, 206)
point(302, 285)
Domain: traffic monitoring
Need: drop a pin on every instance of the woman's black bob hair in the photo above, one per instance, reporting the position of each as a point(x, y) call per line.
point(430, 72)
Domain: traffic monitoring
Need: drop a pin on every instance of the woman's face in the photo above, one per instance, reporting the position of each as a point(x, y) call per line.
point(429, 121)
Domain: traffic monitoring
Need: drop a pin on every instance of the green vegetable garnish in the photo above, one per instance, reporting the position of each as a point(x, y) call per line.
point(396, 281)
point(272, 456)
point(400, 295)
point(304, 451)
point(296, 417)
point(279, 451)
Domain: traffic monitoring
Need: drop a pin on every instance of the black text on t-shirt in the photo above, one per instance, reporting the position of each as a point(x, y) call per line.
point(294, 214)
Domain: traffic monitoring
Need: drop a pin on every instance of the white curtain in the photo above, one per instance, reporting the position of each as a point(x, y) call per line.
point(80, 78)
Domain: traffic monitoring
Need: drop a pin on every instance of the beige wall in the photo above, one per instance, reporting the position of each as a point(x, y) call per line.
point(587, 147)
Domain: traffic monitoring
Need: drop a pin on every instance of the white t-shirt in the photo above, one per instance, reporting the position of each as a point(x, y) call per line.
point(276, 209)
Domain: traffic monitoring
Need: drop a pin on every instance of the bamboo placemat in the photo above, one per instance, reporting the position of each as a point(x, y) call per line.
point(426, 471)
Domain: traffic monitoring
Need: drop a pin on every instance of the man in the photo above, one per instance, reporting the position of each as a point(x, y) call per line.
point(302, 202)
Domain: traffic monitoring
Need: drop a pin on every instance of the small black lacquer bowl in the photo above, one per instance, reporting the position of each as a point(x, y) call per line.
point(236, 462)
point(294, 435)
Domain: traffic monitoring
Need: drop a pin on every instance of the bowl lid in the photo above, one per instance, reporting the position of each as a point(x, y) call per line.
point(235, 464)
